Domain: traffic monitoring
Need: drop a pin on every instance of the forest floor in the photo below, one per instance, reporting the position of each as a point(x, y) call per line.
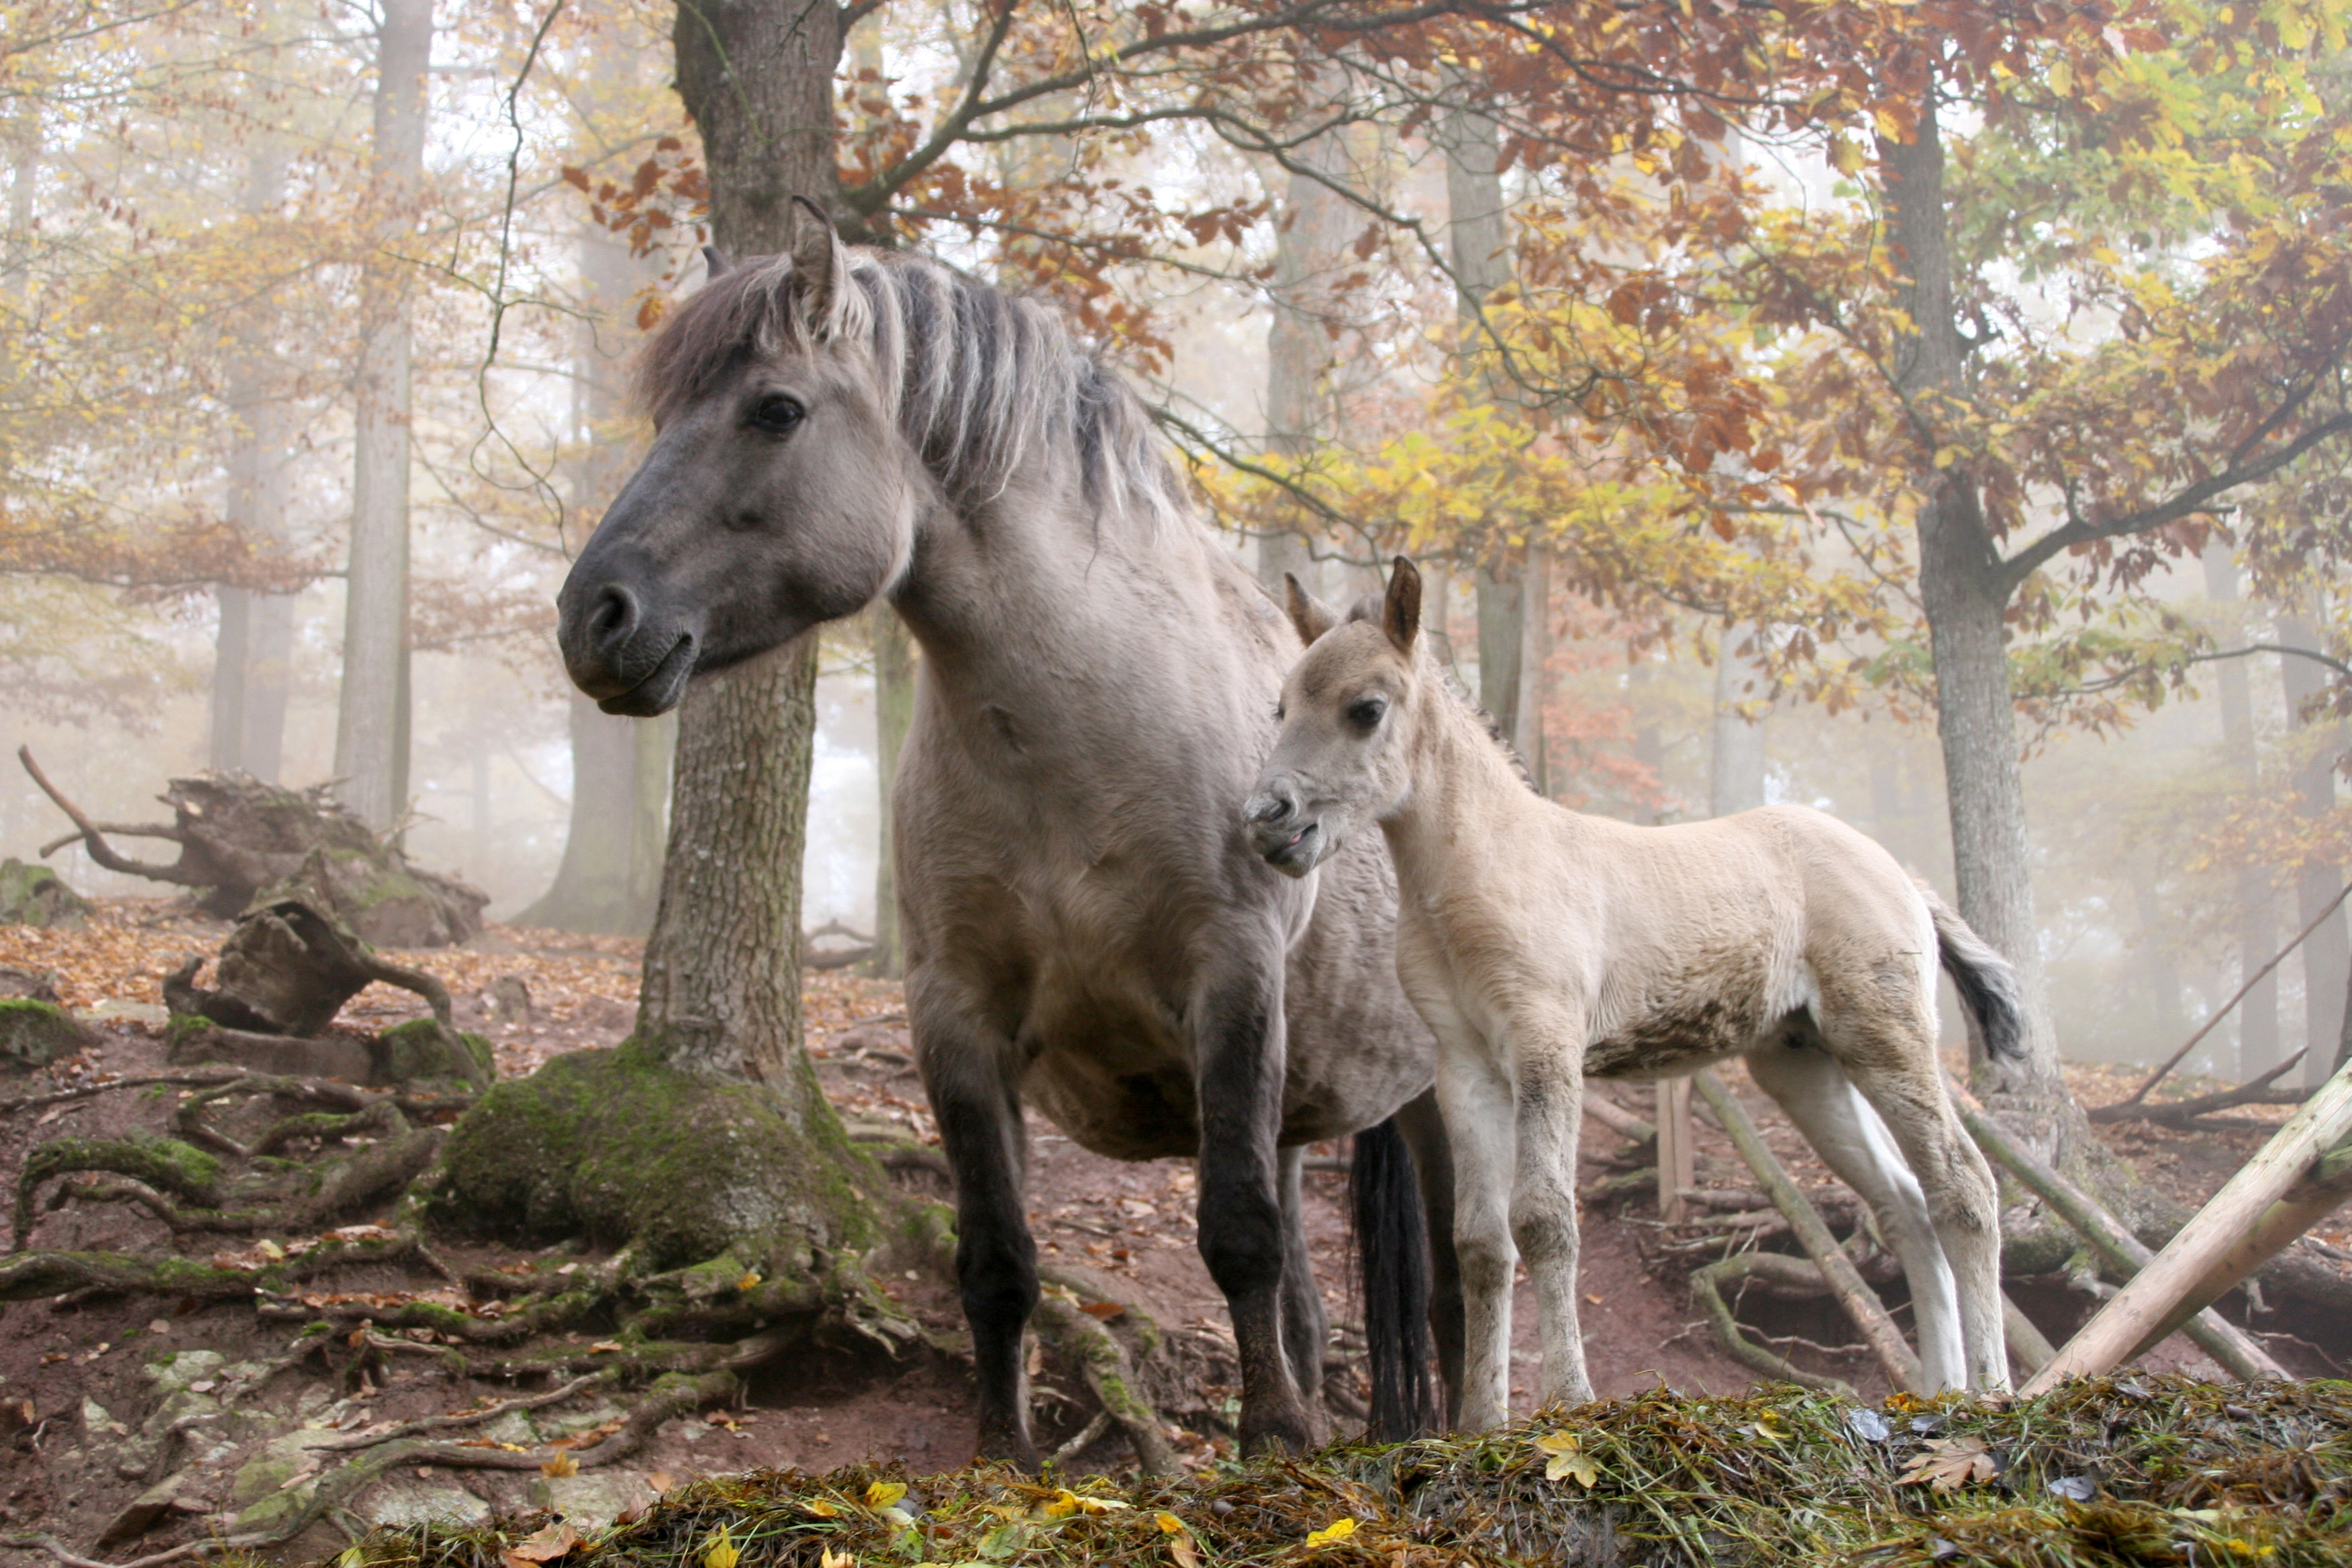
point(100, 1395)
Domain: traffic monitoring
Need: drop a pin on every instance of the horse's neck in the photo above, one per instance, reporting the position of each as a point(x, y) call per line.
point(1036, 586)
point(1466, 791)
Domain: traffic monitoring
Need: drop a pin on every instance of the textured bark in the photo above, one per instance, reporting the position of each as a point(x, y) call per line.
point(1736, 778)
point(894, 714)
point(1966, 596)
point(2257, 923)
point(371, 720)
point(2327, 952)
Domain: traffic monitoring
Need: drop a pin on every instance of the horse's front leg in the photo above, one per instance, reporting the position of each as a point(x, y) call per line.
point(968, 1072)
point(1474, 1094)
point(1548, 1050)
point(1239, 1058)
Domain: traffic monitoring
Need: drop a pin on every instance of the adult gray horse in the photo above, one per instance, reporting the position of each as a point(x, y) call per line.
point(1088, 925)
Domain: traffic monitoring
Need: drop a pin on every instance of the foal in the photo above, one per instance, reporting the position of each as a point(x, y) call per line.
point(1543, 947)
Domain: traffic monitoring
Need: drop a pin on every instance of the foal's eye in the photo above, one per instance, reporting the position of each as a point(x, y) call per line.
point(778, 412)
point(1366, 714)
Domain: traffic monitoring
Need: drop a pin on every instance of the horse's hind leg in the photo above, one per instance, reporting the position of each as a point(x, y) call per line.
point(1305, 1327)
point(1480, 1126)
point(966, 1072)
point(1810, 1086)
point(1894, 1064)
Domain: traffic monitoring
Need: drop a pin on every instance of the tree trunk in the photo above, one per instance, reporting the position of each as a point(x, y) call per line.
point(1965, 598)
point(249, 661)
point(1535, 655)
point(1311, 241)
point(2326, 954)
point(722, 992)
point(371, 721)
point(1736, 779)
point(2258, 1015)
point(894, 714)
point(1478, 236)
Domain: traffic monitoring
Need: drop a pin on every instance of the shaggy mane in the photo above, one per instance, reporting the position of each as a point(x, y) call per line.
point(983, 382)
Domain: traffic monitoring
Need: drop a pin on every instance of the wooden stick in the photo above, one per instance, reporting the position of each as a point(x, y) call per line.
point(1619, 1119)
point(1861, 1303)
point(2223, 1010)
point(2318, 1194)
point(2124, 1253)
point(2208, 1247)
point(2180, 1112)
point(1677, 1150)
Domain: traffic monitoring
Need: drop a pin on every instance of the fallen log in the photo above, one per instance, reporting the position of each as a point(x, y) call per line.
point(2182, 1112)
point(2124, 1253)
point(2228, 1239)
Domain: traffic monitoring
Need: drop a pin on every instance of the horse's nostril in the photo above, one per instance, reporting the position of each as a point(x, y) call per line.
point(614, 616)
point(1275, 810)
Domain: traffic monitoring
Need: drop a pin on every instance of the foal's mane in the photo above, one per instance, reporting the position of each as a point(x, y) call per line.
point(1367, 608)
point(983, 382)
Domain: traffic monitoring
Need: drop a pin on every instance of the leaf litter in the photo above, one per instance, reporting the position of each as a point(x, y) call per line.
point(2186, 1473)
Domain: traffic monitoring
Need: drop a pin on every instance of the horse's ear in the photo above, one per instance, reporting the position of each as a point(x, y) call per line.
point(1311, 616)
point(1401, 612)
point(820, 268)
point(715, 263)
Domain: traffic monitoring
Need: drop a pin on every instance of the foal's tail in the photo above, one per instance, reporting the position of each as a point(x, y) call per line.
point(1392, 1252)
point(1987, 985)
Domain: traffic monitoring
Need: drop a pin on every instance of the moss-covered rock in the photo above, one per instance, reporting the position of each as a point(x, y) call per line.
point(37, 896)
point(418, 1052)
point(620, 1148)
point(35, 1034)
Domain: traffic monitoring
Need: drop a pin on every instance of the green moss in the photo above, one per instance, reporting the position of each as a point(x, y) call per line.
point(35, 1034)
point(37, 896)
point(166, 1164)
point(417, 1052)
point(619, 1147)
point(183, 1026)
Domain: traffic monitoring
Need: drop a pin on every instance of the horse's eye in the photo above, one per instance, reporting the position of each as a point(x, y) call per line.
point(778, 412)
point(1366, 715)
point(1277, 713)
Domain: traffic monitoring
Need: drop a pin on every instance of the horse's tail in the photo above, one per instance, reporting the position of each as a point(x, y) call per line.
point(1392, 1239)
point(1987, 985)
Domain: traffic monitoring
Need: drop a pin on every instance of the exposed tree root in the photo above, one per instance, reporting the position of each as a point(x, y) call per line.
point(1794, 1275)
point(1110, 1375)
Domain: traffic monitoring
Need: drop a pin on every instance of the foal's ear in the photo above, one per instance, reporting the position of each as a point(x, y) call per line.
point(1311, 616)
point(715, 263)
point(820, 268)
point(1401, 611)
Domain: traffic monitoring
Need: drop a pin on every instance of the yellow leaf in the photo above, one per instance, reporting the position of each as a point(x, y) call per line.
point(1065, 1503)
point(1338, 1530)
point(821, 1508)
point(720, 1550)
point(832, 1559)
point(1568, 1458)
point(750, 1280)
point(1768, 1426)
point(559, 1466)
point(1169, 1523)
point(882, 1494)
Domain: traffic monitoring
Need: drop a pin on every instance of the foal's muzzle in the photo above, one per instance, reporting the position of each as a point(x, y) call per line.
point(1291, 840)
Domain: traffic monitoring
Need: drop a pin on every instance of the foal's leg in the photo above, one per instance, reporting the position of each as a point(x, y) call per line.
point(1897, 1072)
point(1813, 1091)
point(1305, 1327)
point(1547, 1052)
point(1239, 1064)
point(1424, 1131)
point(967, 1067)
point(1475, 1091)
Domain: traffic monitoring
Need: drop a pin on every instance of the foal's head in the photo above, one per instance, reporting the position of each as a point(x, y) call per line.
point(779, 492)
point(1348, 716)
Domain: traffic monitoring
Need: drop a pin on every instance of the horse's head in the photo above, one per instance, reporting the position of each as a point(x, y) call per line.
point(1348, 708)
point(779, 492)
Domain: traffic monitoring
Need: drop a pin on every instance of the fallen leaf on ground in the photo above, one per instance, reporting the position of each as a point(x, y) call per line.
point(882, 1494)
point(1950, 1463)
point(542, 1546)
point(720, 1551)
point(561, 1465)
point(1568, 1458)
point(1338, 1530)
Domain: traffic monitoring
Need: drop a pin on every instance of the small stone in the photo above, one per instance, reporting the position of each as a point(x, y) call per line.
point(140, 1513)
point(402, 1506)
point(592, 1499)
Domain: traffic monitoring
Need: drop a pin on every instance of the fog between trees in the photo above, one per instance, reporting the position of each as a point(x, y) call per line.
point(210, 253)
